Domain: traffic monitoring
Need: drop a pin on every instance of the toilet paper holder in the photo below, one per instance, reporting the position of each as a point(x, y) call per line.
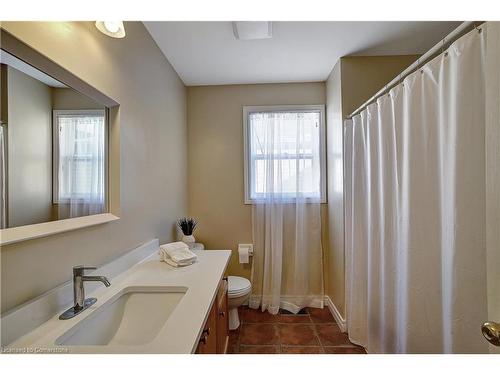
point(245, 251)
point(243, 246)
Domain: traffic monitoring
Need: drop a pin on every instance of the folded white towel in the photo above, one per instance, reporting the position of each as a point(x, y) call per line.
point(171, 247)
point(178, 253)
point(173, 264)
point(174, 245)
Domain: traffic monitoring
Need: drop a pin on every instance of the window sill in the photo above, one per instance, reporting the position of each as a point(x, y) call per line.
point(29, 232)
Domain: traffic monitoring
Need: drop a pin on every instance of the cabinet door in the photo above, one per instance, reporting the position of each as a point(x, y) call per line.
point(208, 339)
point(222, 319)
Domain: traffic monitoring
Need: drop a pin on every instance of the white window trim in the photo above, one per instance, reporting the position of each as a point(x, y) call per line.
point(247, 110)
point(55, 149)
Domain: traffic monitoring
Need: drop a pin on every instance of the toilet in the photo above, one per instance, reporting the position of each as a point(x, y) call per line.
point(238, 292)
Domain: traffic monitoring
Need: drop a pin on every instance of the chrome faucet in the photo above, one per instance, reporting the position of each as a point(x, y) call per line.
point(80, 303)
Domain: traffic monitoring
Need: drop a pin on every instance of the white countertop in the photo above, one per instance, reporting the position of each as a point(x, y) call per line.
point(182, 330)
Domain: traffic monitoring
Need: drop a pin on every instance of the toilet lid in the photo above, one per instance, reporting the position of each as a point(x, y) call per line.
point(238, 285)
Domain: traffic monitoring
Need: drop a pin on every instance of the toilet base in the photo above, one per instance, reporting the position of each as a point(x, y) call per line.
point(234, 319)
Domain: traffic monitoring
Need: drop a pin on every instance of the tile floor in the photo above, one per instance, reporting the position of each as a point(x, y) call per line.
point(314, 331)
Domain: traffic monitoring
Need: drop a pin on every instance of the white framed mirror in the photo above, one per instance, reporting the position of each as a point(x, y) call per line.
point(59, 145)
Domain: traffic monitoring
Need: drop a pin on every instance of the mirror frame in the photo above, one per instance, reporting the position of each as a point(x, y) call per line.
point(24, 52)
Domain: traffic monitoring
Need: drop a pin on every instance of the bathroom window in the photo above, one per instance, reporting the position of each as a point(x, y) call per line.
point(284, 153)
point(80, 140)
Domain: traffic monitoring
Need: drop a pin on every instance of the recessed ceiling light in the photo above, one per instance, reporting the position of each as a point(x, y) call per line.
point(252, 30)
point(114, 29)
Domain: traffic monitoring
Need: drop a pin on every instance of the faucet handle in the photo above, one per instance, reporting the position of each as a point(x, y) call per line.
point(79, 270)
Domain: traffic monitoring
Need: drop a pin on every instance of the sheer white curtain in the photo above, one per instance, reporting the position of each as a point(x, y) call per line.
point(415, 210)
point(81, 166)
point(287, 269)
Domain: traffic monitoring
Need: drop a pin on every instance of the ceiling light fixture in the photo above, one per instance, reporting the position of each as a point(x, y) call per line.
point(252, 30)
point(114, 29)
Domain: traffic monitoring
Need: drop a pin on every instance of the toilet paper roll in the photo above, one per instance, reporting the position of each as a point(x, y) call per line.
point(244, 254)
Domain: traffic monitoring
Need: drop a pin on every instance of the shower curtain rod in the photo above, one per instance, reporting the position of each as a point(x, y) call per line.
point(422, 60)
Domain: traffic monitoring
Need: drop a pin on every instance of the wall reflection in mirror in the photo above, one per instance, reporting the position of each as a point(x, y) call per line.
point(53, 148)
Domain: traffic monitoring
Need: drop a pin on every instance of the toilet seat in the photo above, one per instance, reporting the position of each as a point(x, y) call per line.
point(238, 286)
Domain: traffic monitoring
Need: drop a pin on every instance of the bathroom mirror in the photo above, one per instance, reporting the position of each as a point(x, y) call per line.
point(54, 144)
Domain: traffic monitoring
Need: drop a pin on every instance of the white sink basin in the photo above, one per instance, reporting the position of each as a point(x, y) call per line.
point(134, 316)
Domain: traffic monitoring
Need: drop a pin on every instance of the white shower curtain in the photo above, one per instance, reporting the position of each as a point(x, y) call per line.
point(415, 210)
point(287, 270)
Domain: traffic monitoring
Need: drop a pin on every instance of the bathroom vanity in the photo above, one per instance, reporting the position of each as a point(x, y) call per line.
point(149, 308)
point(215, 335)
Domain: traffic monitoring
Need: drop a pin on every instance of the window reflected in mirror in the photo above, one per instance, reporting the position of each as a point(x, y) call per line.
point(79, 147)
point(53, 148)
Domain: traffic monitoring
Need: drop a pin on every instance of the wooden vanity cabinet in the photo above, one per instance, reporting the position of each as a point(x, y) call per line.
point(208, 339)
point(215, 336)
point(222, 318)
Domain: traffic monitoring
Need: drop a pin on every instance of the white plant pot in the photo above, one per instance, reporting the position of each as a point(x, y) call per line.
point(188, 239)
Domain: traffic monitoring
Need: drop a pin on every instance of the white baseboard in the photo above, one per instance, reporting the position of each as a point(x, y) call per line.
point(336, 314)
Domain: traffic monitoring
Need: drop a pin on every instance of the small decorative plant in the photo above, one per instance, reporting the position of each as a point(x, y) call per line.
point(187, 225)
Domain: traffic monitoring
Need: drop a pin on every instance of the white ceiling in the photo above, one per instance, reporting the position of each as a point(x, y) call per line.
point(207, 53)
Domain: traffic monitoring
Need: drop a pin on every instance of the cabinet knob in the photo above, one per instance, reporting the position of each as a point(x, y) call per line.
point(203, 339)
point(204, 335)
point(222, 313)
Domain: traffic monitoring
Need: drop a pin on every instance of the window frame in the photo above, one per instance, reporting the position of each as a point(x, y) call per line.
point(247, 110)
point(55, 150)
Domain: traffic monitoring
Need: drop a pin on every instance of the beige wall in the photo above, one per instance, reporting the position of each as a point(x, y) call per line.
point(334, 259)
point(153, 132)
point(3, 92)
point(29, 150)
point(215, 171)
point(363, 76)
point(353, 80)
point(493, 173)
point(67, 99)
